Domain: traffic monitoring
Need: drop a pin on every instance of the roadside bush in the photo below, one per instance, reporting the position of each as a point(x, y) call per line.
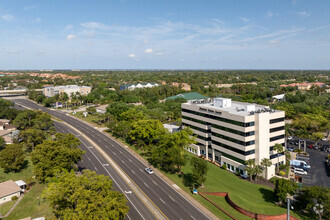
point(14, 198)
point(282, 166)
point(273, 179)
point(281, 173)
point(297, 150)
point(224, 166)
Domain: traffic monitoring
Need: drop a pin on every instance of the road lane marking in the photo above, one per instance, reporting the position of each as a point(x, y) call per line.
point(95, 168)
point(114, 153)
point(172, 198)
point(133, 171)
point(89, 158)
point(192, 217)
point(130, 160)
point(146, 184)
point(154, 183)
point(122, 161)
point(162, 200)
point(105, 164)
point(121, 152)
point(141, 170)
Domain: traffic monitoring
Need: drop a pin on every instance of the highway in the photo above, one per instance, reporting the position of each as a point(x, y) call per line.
point(165, 197)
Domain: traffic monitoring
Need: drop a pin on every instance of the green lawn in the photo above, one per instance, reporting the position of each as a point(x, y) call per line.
point(5, 207)
point(252, 197)
point(28, 206)
point(89, 119)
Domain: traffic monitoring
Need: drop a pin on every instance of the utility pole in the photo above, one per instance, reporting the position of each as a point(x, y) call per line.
point(288, 209)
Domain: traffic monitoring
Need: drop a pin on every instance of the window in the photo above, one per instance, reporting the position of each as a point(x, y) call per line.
point(234, 140)
point(276, 138)
point(281, 128)
point(245, 153)
point(272, 121)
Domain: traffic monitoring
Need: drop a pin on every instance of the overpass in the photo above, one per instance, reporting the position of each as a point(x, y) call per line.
point(14, 92)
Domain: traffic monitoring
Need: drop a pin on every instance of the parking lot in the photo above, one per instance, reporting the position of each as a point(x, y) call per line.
point(318, 173)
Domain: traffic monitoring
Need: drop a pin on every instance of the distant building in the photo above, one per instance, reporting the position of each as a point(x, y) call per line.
point(8, 131)
point(279, 97)
point(183, 86)
point(132, 86)
point(304, 86)
point(189, 96)
point(101, 109)
point(231, 133)
point(51, 91)
point(9, 189)
point(172, 128)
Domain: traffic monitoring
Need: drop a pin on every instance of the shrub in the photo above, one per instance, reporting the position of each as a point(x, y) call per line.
point(281, 173)
point(282, 166)
point(273, 179)
point(14, 198)
point(297, 150)
point(224, 166)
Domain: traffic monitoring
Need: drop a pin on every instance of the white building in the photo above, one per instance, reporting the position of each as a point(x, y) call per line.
point(231, 133)
point(133, 86)
point(69, 89)
point(9, 189)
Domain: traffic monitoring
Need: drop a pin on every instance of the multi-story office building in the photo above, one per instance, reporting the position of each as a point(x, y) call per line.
point(69, 89)
point(230, 132)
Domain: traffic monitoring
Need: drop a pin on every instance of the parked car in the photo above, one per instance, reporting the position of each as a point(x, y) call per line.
point(300, 171)
point(316, 147)
point(296, 143)
point(325, 148)
point(149, 170)
point(302, 167)
point(324, 139)
point(290, 138)
point(310, 146)
point(290, 149)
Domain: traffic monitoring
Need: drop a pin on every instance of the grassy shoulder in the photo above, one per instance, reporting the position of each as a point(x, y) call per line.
point(90, 118)
point(5, 207)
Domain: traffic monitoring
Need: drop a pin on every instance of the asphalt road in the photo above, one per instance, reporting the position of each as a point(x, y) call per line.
point(164, 196)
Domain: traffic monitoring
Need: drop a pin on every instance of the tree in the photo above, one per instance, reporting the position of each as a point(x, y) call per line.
point(283, 187)
point(91, 109)
point(12, 158)
point(2, 143)
point(249, 167)
point(317, 136)
point(88, 196)
point(32, 137)
point(148, 131)
point(265, 162)
point(308, 196)
point(24, 119)
point(116, 108)
point(287, 156)
point(43, 122)
point(199, 170)
point(55, 155)
point(279, 149)
point(288, 132)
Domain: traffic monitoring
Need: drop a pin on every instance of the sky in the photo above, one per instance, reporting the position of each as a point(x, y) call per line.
point(164, 34)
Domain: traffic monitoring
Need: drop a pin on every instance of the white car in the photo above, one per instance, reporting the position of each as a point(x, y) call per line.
point(290, 138)
point(149, 170)
point(300, 171)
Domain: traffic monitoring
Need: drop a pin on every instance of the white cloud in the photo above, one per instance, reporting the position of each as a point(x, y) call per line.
point(149, 50)
point(7, 17)
point(132, 55)
point(245, 20)
point(160, 53)
point(94, 25)
point(38, 20)
point(71, 37)
point(302, 13)
point(271, 14)
point(68, 27)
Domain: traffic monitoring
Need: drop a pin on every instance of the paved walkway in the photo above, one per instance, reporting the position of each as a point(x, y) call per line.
point(12, 208)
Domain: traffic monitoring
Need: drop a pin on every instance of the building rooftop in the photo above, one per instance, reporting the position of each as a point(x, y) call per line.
point(67, 87)
point(189, 96)
point(233, 107)
point(8, 187)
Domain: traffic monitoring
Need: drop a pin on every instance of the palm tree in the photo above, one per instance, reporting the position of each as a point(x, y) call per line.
point(279, 149)
point(249, 167)
point(266, 163)
point(257, 170)
point(287, 157)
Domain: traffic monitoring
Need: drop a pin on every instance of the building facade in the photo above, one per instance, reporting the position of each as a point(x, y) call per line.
point(229, 132)
point(69, 89)
point(9, 189)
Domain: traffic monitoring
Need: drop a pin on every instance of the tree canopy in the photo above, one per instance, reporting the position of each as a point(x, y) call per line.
point(12, 158)
point(88, 196)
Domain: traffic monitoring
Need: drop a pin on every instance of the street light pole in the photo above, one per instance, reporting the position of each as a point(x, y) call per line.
point(288, 211)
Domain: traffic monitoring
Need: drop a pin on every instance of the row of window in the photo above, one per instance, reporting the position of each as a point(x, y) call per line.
point(281, 128)
point(203, 138)
point(275, 155)
point(196, 128)
point(244, 134)
point(234, 140)
point(233, 158)
point(242, 124)
point(245, 153)
point(272, 121)
point(276, 138)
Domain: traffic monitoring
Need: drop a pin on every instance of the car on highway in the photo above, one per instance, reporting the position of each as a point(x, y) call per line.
point(149, 170)
point(300, 171)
